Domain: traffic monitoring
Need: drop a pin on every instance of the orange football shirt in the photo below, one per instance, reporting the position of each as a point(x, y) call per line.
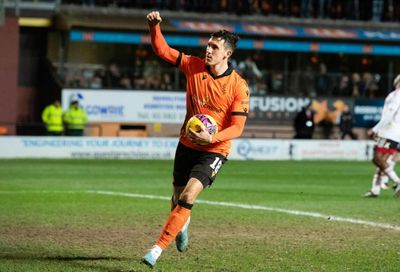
point(225, 97)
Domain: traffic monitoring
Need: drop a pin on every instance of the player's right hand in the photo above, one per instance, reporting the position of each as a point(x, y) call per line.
point(373, 135)
point(202, 137)
point(153, 18)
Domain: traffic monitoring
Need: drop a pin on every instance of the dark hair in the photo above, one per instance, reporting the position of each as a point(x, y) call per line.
point(230, 38)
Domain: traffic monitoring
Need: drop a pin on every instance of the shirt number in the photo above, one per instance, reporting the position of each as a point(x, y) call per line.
point(216, 165)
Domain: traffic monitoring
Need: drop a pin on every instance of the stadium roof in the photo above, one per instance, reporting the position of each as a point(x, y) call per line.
point(72, 16)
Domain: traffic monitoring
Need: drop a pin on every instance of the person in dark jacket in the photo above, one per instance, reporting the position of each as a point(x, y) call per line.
point(346, 124)
point(304, 123)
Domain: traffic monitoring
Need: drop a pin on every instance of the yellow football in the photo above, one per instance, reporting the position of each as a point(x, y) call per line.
point(202, 121)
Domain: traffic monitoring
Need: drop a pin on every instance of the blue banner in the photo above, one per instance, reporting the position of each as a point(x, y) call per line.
point(367, 112)
point(247, 44)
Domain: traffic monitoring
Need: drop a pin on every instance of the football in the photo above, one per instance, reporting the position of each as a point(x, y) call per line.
point(199, 121)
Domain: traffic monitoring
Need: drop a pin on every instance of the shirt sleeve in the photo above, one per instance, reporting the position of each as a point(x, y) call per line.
point(240, 109)
point(161, 48)
point(388, 112)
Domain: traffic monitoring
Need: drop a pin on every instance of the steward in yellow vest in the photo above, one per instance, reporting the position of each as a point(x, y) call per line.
point(52, 116)
point(75, 118)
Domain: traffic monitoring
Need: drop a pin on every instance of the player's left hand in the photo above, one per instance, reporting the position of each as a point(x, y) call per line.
point(201, 138)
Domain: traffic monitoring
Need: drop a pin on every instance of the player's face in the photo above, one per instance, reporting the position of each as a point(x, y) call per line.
point(216, 52)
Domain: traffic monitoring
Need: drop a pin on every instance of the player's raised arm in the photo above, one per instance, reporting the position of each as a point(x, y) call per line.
point(159, 44)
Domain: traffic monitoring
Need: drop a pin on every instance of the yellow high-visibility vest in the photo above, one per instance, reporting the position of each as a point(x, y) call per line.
point(52, 117)
point(75, 118)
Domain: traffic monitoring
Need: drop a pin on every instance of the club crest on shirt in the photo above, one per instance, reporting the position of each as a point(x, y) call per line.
point(224, 90)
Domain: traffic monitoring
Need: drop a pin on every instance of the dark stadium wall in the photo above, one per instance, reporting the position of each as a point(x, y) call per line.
point(97, 53)
point(26, 104)
point(9, 34)
point(34, 74)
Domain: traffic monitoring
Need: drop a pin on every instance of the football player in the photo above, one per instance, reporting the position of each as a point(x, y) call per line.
point(380, 180)
point(387, 135)
point(214, 88)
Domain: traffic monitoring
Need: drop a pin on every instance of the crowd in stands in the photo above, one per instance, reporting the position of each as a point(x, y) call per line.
point(149, 76)
point(314, 79)
point(152, 74)
point(366, 10)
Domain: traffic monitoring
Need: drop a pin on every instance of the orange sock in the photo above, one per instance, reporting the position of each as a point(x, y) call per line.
point(176, 219)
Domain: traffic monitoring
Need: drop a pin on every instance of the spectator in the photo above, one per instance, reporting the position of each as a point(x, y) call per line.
point(346, 124)
point(338, 9)
point(75, 118)
point(307, 79)
point(152, 74)
point(74, 78)
point(113, 76)
point(304, 123)
point(306, 8)
point(234, 64)
point(97, 81)
point(377, 10)
point(343, 88)
point(390, 11)
point(327, 125)
point(322, 81)
point(277, 82)
point(87, 77)
point(371, 87)
point(353, 10)
point(248, 70)
point(355, 85)
point(324, 8)
point(52, 117)
point(166, 82)
point(89, 2)
point(126, 82)
point(138, 78)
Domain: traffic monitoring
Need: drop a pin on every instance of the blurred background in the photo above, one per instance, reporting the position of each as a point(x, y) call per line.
point(330, 53)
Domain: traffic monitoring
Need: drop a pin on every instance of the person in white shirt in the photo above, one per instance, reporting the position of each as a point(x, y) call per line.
point(387, 135)
point(380, 180)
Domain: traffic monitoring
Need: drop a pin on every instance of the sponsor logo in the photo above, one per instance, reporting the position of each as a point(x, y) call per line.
point(250, 151)
point(205, 103)
point(104, 110)
point(278, 104)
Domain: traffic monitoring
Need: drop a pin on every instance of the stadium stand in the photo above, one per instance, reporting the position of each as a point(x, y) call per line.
point(374, 10)
point(342, 50)
point(276, 76)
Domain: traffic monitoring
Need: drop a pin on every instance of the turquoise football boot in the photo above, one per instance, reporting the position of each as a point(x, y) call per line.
point(182, 239)
point(150, 258)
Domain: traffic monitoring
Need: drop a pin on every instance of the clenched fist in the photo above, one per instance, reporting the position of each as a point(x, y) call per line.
point(153, 18)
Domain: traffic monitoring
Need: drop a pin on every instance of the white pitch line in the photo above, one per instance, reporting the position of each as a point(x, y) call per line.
point(262, 208)
point(230, 204)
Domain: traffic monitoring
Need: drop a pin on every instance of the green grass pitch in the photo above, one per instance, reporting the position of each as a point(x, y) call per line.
point(51, 218)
